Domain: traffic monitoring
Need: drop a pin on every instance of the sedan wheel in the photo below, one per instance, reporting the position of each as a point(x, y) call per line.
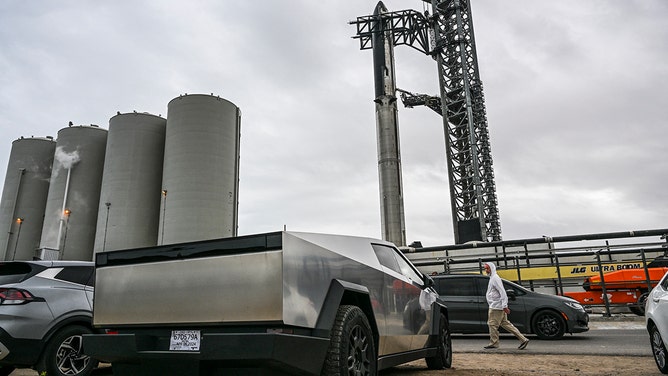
point(548, 325)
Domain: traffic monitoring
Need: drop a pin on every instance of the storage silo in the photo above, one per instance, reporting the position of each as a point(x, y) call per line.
point(24, 197)
point(200, 182)
point(128, 213)
point(74, 193)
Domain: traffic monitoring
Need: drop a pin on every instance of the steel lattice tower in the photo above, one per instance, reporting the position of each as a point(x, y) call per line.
point(461, 103)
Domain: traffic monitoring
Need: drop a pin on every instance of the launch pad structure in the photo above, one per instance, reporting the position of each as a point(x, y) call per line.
point(445, 32)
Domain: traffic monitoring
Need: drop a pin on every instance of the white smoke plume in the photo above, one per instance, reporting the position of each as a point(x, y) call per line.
point(67, 160)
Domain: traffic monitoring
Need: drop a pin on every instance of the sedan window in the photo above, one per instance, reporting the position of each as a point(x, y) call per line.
point(483, 282)
point(457, 287)
point(511, 286)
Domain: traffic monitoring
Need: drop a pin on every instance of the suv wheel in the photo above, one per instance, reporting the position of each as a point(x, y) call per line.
point(548, 325)
point(63, 354)
point(351, 350)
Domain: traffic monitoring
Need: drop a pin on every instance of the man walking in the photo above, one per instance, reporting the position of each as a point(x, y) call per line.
point(497, 316)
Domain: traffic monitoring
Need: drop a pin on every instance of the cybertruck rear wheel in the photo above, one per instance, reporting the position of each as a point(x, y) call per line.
point(351, 350)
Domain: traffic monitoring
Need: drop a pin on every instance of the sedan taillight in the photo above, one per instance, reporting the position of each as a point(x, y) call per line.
point(15, 296)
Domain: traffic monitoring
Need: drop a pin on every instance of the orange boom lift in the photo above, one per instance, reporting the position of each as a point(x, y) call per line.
point(628, 286)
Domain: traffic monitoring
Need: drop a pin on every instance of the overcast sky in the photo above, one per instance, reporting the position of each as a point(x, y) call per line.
point(576, 95)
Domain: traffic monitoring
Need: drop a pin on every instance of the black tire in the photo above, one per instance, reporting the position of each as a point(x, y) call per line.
point(63, 354)
point(6, 370)
point(639, 307)
point(351, 350)
point(636, 311)
point(659, 350)
point(548, 325)
point(443, 358)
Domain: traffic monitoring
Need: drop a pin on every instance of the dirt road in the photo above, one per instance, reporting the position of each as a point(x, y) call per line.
point(486, 364)
point(513, 364)
point(478, 364)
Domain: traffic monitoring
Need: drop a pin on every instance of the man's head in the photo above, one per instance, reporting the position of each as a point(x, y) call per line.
point(490, 268)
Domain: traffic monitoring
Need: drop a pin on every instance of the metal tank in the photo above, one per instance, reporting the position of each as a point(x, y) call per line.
point(128, 212)
point(74, 193)
point(24, 197)
point(200, 183)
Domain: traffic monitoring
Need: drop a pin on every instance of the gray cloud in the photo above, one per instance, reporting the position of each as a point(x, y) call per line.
point(575, 94)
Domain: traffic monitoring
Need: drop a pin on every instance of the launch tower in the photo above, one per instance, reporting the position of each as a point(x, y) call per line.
point(445, 32)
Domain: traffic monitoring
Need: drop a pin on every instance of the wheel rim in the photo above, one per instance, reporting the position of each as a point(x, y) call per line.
point(658, 349)
point(70, 359)
point(548, 325)
point(359, 361)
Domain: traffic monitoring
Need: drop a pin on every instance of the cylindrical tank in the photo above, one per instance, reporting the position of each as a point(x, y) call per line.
point(24, 197)
point(200, 182)
point(128, 214)
point(74, 193)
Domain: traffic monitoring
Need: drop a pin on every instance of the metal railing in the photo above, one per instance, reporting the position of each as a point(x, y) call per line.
point(555, 265)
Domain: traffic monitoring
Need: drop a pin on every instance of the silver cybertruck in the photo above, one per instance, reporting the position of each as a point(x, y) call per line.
point(282, 303)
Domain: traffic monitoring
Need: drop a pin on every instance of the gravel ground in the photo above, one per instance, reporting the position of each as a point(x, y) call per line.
point(488, 364)
point(478, 364)
point(485, 364)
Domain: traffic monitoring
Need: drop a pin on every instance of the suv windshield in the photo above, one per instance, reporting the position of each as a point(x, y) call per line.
point(15, 272)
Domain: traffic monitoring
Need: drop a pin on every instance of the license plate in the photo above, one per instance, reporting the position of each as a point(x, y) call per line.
point(184, 340)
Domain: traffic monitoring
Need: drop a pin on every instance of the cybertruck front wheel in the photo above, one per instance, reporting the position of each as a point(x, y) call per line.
point(443, 358)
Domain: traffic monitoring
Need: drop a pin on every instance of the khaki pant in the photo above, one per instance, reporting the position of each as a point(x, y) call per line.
point(497, 318)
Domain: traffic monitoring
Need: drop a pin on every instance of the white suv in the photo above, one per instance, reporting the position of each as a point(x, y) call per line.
point(656, 318)
point(45, 307)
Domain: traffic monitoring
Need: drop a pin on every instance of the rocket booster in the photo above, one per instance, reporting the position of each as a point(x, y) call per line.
point(387, 132)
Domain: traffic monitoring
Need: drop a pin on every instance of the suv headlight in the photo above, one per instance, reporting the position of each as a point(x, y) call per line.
point(576, 306)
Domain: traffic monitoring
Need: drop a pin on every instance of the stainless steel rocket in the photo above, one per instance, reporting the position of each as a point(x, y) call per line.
point(387, 133)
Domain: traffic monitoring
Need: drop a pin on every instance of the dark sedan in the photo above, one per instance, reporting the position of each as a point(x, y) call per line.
point(547, 316)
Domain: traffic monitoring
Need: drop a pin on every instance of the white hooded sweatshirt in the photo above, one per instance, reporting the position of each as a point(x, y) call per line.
point(496, 294)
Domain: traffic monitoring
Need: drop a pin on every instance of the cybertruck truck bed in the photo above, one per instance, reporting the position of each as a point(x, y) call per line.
point(275, 303)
